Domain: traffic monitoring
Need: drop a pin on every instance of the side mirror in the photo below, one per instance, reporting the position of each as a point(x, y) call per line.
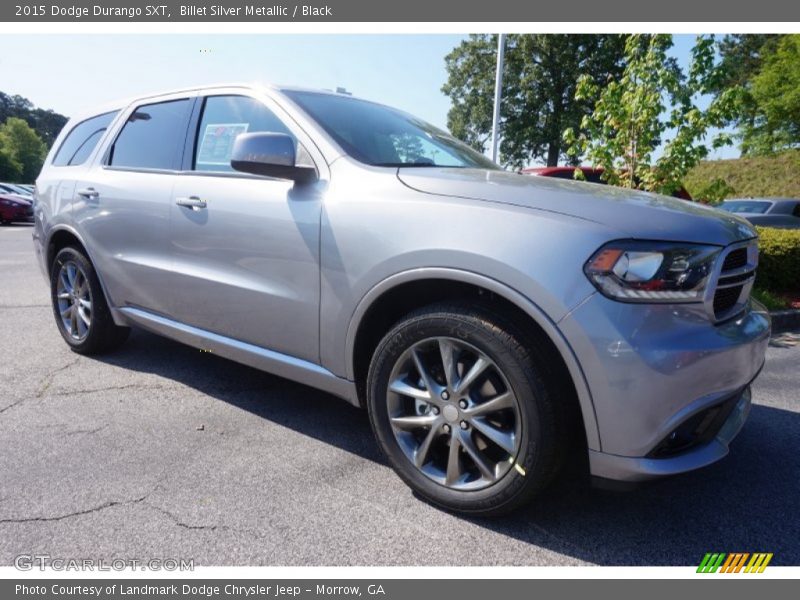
point(271, 155)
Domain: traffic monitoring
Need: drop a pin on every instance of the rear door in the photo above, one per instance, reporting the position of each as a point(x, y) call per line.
point(245, 248)
point(122, 206)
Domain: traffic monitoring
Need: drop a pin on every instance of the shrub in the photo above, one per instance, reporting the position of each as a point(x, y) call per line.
point(770, 300)
point(779, 259)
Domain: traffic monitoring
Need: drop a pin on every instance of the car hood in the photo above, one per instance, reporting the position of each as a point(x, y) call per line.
point(635, 214)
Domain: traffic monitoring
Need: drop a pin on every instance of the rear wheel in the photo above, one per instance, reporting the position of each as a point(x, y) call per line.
point(462, 408)
point(79, 305)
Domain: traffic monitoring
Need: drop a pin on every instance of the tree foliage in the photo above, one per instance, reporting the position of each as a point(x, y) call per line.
point(22, 151)
point(540, 78)
point(741, 56)
point(45, 122)
point(653, 105)
point(775, 91)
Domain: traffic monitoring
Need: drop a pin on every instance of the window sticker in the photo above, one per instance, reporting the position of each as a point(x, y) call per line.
point(217, 143)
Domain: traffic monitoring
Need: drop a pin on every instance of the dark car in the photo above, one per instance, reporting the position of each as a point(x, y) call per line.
point(15, 209)
point(783, 213)
point(591, 174)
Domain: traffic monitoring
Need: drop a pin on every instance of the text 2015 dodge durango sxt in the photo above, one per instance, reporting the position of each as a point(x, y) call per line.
point(482, 317)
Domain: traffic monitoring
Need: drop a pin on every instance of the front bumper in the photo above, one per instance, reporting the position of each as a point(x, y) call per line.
point(652, 369)
point(632, 469)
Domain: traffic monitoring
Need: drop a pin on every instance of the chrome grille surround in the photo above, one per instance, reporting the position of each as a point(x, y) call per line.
point(721, 300)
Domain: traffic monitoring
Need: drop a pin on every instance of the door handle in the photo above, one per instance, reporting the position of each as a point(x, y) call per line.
point(192, 202)
point(89, 193)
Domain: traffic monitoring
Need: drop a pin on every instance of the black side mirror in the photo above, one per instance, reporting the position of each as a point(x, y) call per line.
point(271, 155)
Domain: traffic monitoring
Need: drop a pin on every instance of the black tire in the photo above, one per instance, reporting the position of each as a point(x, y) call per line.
point(544, 439)
point(103, 334)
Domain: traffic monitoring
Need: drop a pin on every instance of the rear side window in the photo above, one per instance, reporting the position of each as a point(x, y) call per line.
point(796, 211)
point(223, 119)
point(82, 140)
point(152, 137)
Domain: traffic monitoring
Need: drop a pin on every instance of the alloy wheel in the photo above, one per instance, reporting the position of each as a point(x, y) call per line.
point(454, 414)
point(74, 298)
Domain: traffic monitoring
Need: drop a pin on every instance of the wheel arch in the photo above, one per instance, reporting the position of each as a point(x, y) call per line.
point(59, 238)
point(397, 295)
point(64, 235)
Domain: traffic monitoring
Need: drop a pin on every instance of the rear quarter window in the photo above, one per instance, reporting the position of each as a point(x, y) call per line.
point(152, 137)
point(82, 140)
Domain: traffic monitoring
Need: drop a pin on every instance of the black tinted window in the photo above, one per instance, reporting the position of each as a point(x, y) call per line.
point(224, 118)
point(81, 141)
point(153, 136)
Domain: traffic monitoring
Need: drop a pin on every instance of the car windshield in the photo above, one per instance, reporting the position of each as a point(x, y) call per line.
point(381, 136)
point(14, 189)
point(746, 206)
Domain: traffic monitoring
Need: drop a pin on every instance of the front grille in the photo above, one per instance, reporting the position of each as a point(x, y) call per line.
point(735, 260)
point(725, 299)
point(737, 273)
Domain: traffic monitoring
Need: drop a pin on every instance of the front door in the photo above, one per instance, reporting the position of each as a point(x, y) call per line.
point(245, 249)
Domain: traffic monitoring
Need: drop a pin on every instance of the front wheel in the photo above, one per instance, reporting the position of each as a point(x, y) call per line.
point(460, 404)
point(79, 305)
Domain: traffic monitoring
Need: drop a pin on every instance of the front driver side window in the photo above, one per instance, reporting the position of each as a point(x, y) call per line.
point(222, 120)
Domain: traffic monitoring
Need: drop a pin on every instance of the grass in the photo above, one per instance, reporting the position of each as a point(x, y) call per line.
point(770, 300)
point(715, 180)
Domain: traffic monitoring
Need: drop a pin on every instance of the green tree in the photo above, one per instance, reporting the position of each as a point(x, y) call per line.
point(20, 142)
point(653, 105)
point(741, 56)
point(540, 78)
point(46, 122)
point(775, 93)
point(10, 168)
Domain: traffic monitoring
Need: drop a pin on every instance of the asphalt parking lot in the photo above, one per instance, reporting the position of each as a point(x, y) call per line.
point(159, 450)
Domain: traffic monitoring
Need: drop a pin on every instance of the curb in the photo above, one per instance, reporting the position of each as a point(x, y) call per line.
point(785, 320)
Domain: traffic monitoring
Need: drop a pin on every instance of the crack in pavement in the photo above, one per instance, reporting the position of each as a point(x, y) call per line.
point(110, 388)
point(86, 431)
point(78, 513)
point(47, 380)
point(45, 384)
point(213, 527)
point(24, 305)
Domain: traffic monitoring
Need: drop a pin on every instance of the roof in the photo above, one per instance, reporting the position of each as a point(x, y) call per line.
point(256, 86)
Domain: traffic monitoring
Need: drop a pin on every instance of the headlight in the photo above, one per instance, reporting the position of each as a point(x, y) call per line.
point(633, 271)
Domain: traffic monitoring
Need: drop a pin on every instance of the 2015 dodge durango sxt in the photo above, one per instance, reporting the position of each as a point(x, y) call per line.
point(482, 317)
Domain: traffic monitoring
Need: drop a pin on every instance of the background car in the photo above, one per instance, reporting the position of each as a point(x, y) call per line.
point(592, 175)
point(783, 213)
point(15, 209)
point(15, 189)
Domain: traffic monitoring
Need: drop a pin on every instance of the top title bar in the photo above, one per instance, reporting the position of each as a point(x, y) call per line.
point(404, 11)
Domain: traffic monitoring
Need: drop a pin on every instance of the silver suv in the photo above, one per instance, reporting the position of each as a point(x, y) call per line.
point(485, 319)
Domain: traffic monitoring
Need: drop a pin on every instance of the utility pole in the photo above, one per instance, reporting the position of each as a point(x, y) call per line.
point(498, 93)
